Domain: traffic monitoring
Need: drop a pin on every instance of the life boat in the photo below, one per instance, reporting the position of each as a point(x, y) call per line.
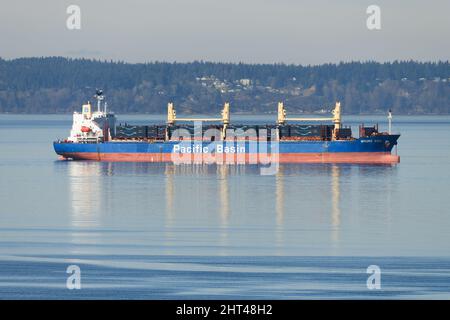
point(85, 129)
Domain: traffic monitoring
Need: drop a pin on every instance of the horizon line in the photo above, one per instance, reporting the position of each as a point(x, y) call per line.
point(105, 60)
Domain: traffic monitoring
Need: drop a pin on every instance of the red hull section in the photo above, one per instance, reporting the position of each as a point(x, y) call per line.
point(338, 157)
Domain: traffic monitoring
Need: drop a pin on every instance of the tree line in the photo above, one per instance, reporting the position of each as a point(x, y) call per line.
point(61, 85)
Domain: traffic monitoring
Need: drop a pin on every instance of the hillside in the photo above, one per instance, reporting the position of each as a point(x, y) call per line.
point(60, 85)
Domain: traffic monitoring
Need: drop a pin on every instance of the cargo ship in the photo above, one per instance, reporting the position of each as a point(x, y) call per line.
point(95, 135)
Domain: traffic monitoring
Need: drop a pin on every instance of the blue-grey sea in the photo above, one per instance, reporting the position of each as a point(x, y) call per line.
point(164, 231)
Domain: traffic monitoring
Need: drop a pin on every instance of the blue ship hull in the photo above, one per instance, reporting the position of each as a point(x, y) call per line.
point(376, 149)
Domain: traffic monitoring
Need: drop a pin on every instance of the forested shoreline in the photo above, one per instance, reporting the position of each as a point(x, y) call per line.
point(60, 85)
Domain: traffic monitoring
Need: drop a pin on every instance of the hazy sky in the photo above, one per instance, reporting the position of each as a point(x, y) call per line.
point(290, 31)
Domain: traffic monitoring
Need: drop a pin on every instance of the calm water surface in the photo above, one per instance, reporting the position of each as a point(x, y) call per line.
point(162, 231)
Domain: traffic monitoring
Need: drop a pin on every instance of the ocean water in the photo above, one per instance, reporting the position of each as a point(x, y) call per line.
point(162, 231)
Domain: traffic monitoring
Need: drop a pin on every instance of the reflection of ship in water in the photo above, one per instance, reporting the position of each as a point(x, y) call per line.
point(335, 203)
point(172, 172)
point(282, 192)
point(279, 207)
point(222, 173)
point(223, 201)
point(282, 185)
point(85, 194)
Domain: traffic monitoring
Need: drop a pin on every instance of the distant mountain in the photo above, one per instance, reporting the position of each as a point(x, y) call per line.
point(60, 85)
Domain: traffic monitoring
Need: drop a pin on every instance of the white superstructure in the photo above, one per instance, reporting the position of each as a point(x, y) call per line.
point(89, 126)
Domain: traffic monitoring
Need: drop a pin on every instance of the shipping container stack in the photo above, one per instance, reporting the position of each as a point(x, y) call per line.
point(247, 132)
point(344, 133)
point(253, 132)
point(156, 132)
point(285, 132)
point(305, 132)
point(367, 131)
point(128, 132)
point(182, 130)
point(270, 129)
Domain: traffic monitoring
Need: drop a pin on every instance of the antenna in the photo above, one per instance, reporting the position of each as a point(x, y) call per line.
point(100, 97)
point(390, 121)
